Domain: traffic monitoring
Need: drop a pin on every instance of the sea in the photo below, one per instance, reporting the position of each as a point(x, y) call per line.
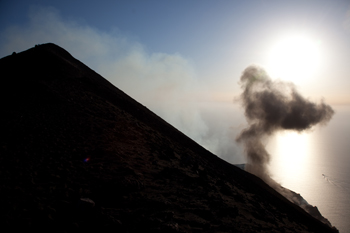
point(314, 163)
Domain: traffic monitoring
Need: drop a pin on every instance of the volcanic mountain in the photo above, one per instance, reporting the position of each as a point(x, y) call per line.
point(79, 155)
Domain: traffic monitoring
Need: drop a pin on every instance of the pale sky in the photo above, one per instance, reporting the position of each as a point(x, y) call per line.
point(172, 54)
point(216, 39)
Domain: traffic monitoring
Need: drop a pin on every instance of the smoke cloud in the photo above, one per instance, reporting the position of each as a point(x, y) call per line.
point(271, 106)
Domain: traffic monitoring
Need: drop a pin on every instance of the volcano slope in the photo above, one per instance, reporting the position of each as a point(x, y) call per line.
point(77, 154)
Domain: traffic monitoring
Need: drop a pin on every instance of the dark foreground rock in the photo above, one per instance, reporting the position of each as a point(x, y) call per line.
point(78, 155)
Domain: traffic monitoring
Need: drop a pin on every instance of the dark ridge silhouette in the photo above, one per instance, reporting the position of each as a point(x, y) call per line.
point(79, 155)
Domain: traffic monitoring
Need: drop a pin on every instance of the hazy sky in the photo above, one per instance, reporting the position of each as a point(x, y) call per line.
point(215, 40)
point(173, 54)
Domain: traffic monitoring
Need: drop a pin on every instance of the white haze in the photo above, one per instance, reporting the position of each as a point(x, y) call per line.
point(165, 83)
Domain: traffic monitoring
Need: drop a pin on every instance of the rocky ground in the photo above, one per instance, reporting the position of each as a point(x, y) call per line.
point(77, 155)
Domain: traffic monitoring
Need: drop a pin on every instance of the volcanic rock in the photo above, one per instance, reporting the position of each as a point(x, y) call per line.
point(79, 155)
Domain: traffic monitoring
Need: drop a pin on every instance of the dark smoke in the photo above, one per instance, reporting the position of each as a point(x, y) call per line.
point(271, 106)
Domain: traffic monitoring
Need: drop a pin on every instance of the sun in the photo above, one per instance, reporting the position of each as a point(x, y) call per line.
point(295, 58)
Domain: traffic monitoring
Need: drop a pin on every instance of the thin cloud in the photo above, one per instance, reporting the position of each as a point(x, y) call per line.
point(165, 83)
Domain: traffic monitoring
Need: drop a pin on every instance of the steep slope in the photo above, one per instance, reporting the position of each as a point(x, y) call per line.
point(78, 154)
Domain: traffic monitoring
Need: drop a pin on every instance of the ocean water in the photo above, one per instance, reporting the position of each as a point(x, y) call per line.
point(316, 164)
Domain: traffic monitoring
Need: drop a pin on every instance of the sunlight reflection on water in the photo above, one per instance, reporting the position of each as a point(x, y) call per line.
point(290, 155)
point(299, 160)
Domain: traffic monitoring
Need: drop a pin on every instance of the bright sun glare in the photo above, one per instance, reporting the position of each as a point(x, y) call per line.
point(291, 153)
point(294, 58)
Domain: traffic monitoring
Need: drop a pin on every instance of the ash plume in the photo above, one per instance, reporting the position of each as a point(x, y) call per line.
point(271, 106)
